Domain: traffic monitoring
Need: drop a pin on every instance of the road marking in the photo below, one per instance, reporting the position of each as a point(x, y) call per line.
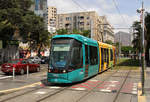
point(16, 89)
point(112, 85)
point(80, 89)
point(6, 77)
point(105, 90)
point(94, 80)
point(113, 81)
point(134, 89)
point(141, 98)
point(54, 87)
point(134, 92)
point(40, 92)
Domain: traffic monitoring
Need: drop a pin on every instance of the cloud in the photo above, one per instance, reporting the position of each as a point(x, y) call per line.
point(67, 6)
point(118, 22)
point(105, 5)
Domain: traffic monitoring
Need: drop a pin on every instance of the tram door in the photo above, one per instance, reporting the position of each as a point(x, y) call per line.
point(105, 58)
point(86, 61)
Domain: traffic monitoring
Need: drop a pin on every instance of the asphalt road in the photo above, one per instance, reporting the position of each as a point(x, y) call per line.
point(110, 86)
point(7, 81)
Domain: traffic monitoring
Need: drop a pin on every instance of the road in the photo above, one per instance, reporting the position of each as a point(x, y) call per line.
point(110, 86)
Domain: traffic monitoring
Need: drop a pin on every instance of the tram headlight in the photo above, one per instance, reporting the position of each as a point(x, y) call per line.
point(64, 71)
point(49, 70)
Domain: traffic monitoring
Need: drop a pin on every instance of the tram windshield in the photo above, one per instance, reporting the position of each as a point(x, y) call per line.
point(66, 54)
point(60, 53)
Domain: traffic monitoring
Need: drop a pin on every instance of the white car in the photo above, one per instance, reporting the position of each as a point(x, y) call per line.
point(34, 59)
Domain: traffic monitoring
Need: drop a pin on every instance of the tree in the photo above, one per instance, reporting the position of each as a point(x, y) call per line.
point(17, 19)
point(109, 42)
point(11, 14)
point(37, 37)
point(86, 33)
point(62, 31)
point(137, 38)
point(126, 50)
point(75, 31)
point(147, 37)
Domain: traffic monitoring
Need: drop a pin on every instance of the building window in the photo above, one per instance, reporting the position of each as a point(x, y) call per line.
point(81, 29)
point(67, 25)
point(81, 23)
point(68, 18)
point(81, 17)
point(88, 23)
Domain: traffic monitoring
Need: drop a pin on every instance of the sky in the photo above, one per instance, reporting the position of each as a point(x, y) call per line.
point(120, 13)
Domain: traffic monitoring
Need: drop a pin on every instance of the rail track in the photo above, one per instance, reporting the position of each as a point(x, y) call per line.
point(62, 88)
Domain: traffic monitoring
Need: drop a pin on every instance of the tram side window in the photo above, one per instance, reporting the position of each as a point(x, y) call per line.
point(93, 55)
point(86, 55)
point(77, 55)
point(111, 54)
point(102, 55)
point(105, 55)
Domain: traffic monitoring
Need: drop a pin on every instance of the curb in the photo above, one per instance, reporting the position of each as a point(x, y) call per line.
point(141, 98)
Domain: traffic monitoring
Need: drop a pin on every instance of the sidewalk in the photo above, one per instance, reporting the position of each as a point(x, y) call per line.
point(147, 84)
point(20, 82)
point(146, 96)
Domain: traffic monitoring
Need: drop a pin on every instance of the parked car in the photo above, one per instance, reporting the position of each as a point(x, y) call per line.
point(20, 66)
point(35, 59)
point(44, 59)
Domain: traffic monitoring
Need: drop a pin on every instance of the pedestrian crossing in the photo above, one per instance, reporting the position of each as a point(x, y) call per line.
point(108, 86)
point(4, 77)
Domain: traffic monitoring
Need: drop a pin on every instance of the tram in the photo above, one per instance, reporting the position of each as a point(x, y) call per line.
point(75, 58)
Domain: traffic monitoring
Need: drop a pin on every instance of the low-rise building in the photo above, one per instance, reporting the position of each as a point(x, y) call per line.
point(108, 33)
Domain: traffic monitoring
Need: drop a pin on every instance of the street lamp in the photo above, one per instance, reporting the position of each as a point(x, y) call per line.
point(142, 18)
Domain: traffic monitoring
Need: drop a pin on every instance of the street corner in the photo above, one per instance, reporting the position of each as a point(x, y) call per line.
point(141, 98)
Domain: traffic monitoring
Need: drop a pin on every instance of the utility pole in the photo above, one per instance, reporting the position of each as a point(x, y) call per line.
point(143, 49)
point(142, 19)
point(119, 47)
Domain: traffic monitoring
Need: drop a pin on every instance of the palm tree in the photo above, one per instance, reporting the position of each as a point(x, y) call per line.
point(137, 37)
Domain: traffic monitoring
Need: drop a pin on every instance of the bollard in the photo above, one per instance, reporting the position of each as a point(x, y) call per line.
point(27, 71)
point(13, 73)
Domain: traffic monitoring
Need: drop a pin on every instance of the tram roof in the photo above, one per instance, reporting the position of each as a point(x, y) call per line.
point(104, 45)
point(78, 37)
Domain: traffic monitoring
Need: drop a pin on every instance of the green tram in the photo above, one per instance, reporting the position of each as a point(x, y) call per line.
point(74, 58)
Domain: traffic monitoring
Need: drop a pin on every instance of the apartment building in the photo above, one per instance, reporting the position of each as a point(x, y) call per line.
point(108, 32)
point(82, 21)
point(52, 13)
point(40, 8)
